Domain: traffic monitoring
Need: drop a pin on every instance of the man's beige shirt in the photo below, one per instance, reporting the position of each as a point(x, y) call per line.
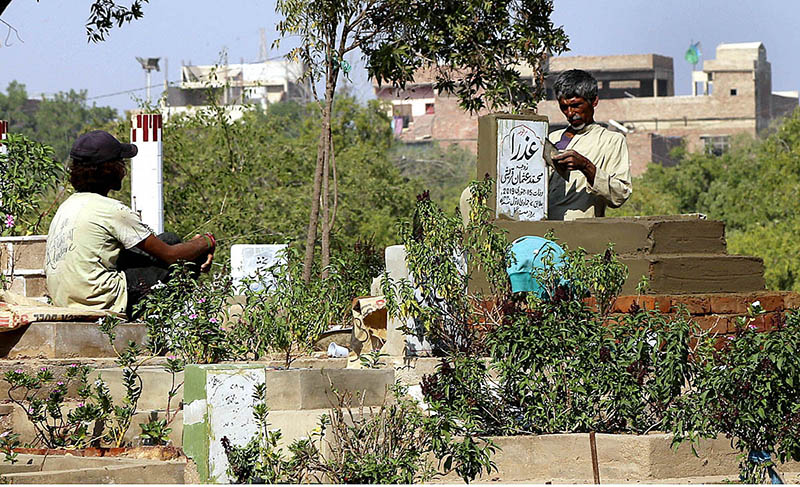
point(83, 244)
point(572, 197)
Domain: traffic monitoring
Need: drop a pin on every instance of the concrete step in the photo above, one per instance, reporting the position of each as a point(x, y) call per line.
point(66, 339)
point(692, 274)
point(630, 235)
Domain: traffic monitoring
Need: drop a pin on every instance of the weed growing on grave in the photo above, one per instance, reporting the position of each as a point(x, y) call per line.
point(185, 316)
point(8, 442)
point(96, 419)
point(41, 396)
point(749, 390)
point(394, 443)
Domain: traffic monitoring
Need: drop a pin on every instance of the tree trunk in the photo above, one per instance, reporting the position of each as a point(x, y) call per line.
point(321, 182)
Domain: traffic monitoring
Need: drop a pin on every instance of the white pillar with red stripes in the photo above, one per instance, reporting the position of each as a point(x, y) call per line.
point(147, 195)
point(3, 136)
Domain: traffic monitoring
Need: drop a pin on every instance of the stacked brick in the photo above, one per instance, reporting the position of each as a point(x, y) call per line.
point(717, 312)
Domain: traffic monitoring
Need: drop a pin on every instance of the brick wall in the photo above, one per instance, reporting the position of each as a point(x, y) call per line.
point(716, 312)
point(22, 259)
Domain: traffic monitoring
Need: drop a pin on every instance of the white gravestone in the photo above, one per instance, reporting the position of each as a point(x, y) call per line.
point(147, 195)
point(248, 259)
point(521, 169)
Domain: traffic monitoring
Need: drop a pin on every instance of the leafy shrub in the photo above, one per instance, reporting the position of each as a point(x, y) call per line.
point(27, 171)
point(749, 390)
point(391, 444)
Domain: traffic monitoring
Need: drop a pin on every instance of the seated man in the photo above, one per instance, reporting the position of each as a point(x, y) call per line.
point(594, 170)
point(100, 256)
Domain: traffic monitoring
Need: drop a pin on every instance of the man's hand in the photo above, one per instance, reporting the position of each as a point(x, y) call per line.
point(206, 266)
point(569, 160)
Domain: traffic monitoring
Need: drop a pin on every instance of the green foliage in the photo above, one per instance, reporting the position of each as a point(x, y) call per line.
point(752, 188)
point(54, 122)
point(155, 432)
point(748, 391)
point(8, 442)
point(41, 396)
point(473, 48)
point(249, 180)
point(28, 171)
point(391, 444)
point(436, 245)
point(184, 316)
point(103, 14)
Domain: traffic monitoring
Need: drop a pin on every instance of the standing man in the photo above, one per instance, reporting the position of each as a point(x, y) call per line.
point(100, 256)
point(593, 169)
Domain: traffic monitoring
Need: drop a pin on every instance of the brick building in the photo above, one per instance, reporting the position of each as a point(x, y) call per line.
point(731, 95)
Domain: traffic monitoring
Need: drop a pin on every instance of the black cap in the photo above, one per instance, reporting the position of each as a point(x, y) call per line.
point(98, 146)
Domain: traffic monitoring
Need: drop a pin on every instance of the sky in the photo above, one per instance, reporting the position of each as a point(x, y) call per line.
point(52, 54)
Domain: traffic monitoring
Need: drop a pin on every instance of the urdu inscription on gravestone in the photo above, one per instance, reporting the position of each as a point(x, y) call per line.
point(521, 169)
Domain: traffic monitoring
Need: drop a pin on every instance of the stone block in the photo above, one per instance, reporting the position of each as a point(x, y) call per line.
point(791, 300)
point(156, 384)
point(689, 235)
point(692, 274)
point(66, 340)
point(105, 471)
point(35, 286)
point(566, 458)
point(219, 400)
point(29, 253)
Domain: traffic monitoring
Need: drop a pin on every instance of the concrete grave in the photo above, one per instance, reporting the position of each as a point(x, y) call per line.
point(22, 259)
point(219, 399)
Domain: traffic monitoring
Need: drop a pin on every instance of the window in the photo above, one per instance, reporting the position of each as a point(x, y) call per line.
point(733, 92)
point(429, 109)
point(716, 144)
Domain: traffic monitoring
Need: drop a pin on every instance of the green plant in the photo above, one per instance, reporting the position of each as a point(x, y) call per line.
point(117, 417)
point(748, 390)
point(8, 442)
point(436, 300)
point(289, 315)
point(155, 432)
point(28, 171)
point(372, 360)
point(393, 443)
point(41, 396)
point(184, 316)
point(260, 460)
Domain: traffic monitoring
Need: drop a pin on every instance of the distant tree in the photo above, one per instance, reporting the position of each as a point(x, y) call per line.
point(470, 47)
point(56, 121)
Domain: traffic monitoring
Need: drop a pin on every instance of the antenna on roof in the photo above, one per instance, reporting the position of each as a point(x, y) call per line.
point(262, 47)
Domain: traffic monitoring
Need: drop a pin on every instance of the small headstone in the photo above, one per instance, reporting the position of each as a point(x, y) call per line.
point(511, 149)
point(248, 259)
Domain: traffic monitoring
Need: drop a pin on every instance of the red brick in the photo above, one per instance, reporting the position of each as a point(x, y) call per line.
point(623, 304)
point(695, 305)
point(663, 303)
point(715, 323)
point(791, 300)
point(730, 303)
point(592, 304)
point(771, 301)
point(767, 321)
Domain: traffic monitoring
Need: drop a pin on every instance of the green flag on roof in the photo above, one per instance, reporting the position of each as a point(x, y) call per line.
point(693, 53)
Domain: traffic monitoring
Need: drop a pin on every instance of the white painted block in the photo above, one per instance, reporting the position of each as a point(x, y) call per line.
point(248, 259)
point(147, 192)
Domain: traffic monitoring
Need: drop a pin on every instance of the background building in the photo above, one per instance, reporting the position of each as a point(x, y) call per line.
point(732, 94)
point(236, 85)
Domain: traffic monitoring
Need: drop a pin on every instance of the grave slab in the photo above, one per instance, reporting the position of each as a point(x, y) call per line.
point(218, 402)
point(66, 340)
